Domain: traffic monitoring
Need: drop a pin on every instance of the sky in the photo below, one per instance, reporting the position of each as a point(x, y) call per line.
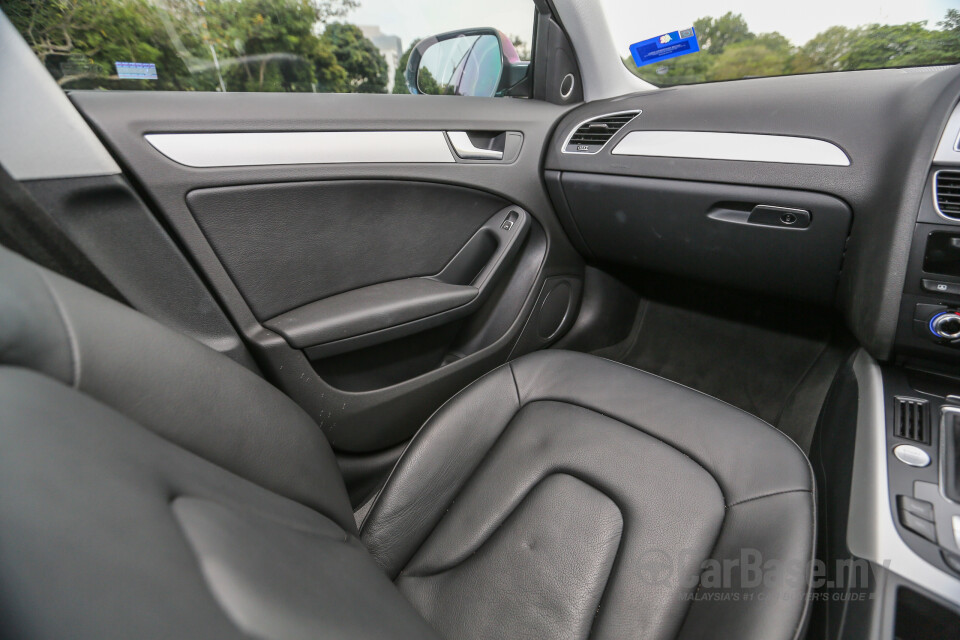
point(635, 20)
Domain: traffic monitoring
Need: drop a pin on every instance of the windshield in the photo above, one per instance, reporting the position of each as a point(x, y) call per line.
point(706, 41)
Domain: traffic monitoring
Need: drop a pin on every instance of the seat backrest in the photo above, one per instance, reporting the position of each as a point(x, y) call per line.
point(181, 390)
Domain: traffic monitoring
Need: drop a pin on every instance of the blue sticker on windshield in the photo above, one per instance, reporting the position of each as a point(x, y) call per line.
point(136, 70)
point(669, 45)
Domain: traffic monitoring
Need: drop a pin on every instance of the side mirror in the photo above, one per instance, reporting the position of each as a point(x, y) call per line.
point(470, 62)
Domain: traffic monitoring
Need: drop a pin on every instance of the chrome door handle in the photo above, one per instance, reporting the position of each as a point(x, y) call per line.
point(468, 151)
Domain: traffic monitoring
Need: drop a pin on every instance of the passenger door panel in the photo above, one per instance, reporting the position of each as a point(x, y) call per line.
point(371, 285)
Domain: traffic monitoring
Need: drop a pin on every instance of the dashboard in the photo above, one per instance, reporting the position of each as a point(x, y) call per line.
point(805, 187)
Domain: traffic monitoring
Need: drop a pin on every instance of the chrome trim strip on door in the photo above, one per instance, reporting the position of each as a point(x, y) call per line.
point(871, 532)
point(301, 147)
point(748, 147)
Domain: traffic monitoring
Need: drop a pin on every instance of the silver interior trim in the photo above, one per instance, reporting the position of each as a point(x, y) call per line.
point(871, 532)
point(301, 147)
point(936, 205)
point(43, 134)
point(911, 455)
point(464, 147)
point(948, 150)
point(748, 147)
point(573, 81)
point(566, 143)
point(944, 412)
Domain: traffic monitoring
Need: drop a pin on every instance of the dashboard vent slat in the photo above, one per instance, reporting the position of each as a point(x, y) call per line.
point(592, 135)
point(946, 192)
point(911, 420)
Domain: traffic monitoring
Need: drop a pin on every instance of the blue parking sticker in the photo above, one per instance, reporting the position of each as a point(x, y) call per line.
point(136, 70)
point(669, 45)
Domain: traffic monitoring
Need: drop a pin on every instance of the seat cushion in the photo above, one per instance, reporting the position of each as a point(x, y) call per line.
point(564, 495)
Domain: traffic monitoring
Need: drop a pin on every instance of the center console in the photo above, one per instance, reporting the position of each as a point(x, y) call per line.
point(922, 427)
point(886, 456)
point(929, 321)
point(889, 480)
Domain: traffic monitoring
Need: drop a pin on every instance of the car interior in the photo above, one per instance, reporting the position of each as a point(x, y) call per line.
point(587, 359)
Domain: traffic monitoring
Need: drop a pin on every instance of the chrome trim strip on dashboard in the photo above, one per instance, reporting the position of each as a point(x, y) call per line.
point(747, 147)
point(301, 147)
point(566, 143)
point(871, 532)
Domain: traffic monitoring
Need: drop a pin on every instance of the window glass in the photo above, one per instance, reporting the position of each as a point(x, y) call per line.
point(704, 41)
point(342, 46)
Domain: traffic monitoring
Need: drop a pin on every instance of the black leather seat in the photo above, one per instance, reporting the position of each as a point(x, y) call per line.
point(150, 487)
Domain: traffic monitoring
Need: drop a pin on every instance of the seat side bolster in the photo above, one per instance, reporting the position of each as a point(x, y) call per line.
point(198, 399)
point(32, 332)
point(435, 467)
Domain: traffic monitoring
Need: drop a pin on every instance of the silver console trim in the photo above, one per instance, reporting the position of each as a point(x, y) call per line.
point(944, 410)
point(301, 147)
point(871, 532)
point(745, 147)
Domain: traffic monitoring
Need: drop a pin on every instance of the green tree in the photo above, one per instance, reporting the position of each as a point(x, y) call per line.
point(750, 58)
point(366, 68)
point(399, 76)
point(262, 45)
point(689, 69)
point(729, 50)
point(878, 46)
point(716, 34)
point(951, 21)
point(826, 51)
point(79, 41)
point(266, 45)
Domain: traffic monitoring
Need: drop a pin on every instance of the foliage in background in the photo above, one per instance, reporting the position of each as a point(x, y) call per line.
point(399, 76)
point(729, 50)
point(203, 45)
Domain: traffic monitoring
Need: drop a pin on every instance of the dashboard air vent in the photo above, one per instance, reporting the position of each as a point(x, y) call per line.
point(591, 135)
point(911, 420)
point(947, 192)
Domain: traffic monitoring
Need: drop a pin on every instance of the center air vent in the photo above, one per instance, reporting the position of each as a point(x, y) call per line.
point(911, 420)
point(591, 135)
point(946, 190)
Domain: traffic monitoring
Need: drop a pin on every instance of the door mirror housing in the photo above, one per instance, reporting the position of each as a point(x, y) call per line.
point(470, 62)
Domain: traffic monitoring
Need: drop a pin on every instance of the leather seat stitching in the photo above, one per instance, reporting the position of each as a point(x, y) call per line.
point(556, 472)
point(768, 495)
point(707, 395)
point(484, 541)
point(641, 430)
point(423, 427)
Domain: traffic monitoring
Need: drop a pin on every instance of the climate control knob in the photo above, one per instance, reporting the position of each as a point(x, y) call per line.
point(946, 325)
